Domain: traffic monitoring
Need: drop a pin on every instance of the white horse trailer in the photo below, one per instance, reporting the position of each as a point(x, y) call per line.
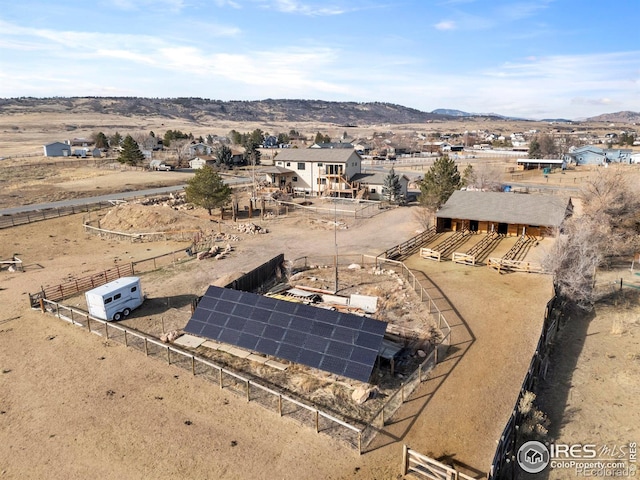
point(115, 300)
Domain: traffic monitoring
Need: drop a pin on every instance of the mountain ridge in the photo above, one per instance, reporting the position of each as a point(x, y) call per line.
point(201, 110)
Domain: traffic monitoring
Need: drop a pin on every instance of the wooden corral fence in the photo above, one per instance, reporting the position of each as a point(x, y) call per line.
point(404, 249)
point(14, 264)
point(472, 256)
point(57, 293)
point(250, 389)
point(425, 467)
point(504, 462)
point(430, 254)
point(8, 221)
point(520, 248)
point(504, 265)
point(359, 209)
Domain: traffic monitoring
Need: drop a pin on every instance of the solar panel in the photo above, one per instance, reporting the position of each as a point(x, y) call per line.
point(339, 343)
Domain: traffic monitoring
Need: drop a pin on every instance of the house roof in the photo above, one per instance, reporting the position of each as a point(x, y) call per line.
point(502, 207)
point(276, 170)
point(332, 145)
point(328, 155)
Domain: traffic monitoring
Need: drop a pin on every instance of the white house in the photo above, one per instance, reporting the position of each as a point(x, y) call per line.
point(321, 171)
point(374, 183)
point(202, 160)
point(57, 149)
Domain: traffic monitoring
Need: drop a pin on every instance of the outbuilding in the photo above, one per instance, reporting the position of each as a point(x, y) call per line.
point(504, 213)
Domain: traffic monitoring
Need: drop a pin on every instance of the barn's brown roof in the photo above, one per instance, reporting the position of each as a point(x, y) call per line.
point(503, 207)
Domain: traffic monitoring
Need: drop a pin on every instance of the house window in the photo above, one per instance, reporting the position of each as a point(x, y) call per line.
point(373, 190)
point(319, 164)
point(294, 179)
point(301, 166)
point(288, 164)
point(279, 164)
point(323, 181)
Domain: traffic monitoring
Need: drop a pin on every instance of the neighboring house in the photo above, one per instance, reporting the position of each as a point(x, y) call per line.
point(202, 160)
point(321, 171)
point(80, 142)
point(200, 149)
point(57, 149)
point(591, 155)
point(504, 213)
point(374, 183)
point(332, 145)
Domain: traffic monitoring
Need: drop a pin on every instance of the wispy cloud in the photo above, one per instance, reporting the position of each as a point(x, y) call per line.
point(445, 25)
point(132, 5)
point(305, 8)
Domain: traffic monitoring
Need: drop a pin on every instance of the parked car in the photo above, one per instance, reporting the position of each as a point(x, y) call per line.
point(164, 167)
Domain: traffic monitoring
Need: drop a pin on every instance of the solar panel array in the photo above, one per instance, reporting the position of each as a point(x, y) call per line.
point(340, 343)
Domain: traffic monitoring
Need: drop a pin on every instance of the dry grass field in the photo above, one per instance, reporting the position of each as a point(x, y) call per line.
point(74, 405)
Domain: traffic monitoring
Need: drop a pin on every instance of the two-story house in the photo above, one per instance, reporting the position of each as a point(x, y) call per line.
point(320, 171)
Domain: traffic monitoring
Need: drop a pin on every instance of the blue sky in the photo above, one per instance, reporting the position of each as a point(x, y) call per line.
point(528, 58)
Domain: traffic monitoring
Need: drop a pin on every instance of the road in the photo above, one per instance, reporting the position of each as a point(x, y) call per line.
point(76, 202)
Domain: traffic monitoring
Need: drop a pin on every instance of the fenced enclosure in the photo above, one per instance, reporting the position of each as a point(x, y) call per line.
point(503, 465)
point(251, 389)
point(425, 467)
point(334, 207)
point(404, 249)
point(57, 293)
point(505, 265)
point(357, 434)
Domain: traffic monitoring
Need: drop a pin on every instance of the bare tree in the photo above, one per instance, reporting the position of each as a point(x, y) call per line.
point(486, 177)
point(608, 226)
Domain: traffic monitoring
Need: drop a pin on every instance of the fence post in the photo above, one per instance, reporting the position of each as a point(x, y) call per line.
point(248, 391)
point(220, 370)
point(317, 422)
point(405, 459)
point(88, 323)
point(193, 364)
point(146, 349)
point(168, 355)
point(125, 339)
point(42, 305)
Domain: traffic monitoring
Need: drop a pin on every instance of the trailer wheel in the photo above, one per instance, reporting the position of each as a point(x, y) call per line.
point(117, 316)
point(126, 312)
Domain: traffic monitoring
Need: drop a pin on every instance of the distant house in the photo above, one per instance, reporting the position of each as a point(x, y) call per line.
point(202, 160)
point(57, 149)
point(374, 183)
point(591, 155)
point(321, 171)
point(504, 213)
point(332, 145)
point(200, 149)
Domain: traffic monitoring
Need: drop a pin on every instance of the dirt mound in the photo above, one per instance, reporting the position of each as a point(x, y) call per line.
point(149, 218)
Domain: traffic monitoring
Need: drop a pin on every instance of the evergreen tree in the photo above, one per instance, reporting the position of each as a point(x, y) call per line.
point(115, 140)
point(101, 141)
point(391, 188)
point(224, 155)
point(468, 176)
point(439, 183)
point(130, 154)
point(207, 189)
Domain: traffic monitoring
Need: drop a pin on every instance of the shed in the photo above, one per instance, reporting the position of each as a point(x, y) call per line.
point(57, 149)
point(504, 213)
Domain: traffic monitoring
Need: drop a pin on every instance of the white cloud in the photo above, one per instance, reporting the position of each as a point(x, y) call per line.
point(445, 25)
point(301, 8)
point(131, 5)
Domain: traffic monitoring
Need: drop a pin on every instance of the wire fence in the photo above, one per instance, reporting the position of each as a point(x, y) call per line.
point(357, 437)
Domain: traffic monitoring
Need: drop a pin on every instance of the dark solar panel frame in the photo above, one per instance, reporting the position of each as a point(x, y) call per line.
point(339, 343)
